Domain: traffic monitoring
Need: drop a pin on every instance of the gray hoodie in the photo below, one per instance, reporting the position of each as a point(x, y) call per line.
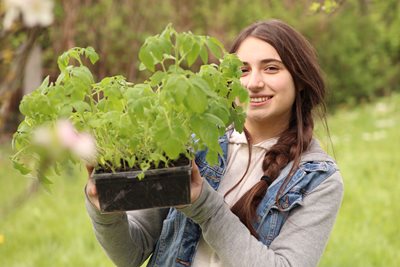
point(129, 238)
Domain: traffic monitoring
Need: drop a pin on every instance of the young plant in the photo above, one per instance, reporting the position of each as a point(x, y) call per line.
point(176, 111)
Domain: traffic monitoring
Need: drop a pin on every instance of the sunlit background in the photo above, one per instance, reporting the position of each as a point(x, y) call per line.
point(358, 44)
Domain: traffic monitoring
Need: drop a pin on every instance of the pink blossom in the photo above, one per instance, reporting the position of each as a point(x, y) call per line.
point(82, 145)
point(85, 148)
point(66, 133)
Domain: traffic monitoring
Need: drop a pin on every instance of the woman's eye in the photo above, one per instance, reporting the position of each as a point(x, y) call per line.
point(244, 70)
point(272, 69)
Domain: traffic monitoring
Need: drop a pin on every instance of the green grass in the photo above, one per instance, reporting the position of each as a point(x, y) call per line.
point(50, 229)
point(366, 143)
point(54, 230)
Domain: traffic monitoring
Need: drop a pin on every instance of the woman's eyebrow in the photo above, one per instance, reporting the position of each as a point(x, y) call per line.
point(265, 61)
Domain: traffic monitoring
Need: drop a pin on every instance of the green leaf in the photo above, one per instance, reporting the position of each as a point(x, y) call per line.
point(146, 58)
point(95, 123)
point(155, 48)
point(172, 147)
point(78, 84)
point(230, 66)
point(45, 182)
point(204, 54)
point(21, 167)
point(196, 100)
point(202, 85)
point(184, 44)
point(215, 46)
point(176, 88)
point(157, 77)
point(75, 53)
point(213, 120)
point(242, 93)
point(81, 106)
point(62, 61)
point(212, 157)
point(238, 117)
point(193, 54)
point(45, 84)
point(142, 67)
point(91, 54)
point(220, 111)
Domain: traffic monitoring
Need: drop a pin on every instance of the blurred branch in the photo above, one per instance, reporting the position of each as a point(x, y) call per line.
point(14, 77)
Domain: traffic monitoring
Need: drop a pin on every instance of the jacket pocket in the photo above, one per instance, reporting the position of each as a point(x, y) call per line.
point(169, 229)
point(270, 226)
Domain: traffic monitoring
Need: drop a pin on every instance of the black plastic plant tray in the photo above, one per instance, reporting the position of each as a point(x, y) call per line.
point(123, 191)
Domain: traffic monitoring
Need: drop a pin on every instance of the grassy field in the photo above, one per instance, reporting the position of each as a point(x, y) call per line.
point(366, 143)
point(54, 230)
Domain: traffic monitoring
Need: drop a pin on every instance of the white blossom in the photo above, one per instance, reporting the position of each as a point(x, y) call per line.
point(34, 12)
point(12, 13)
point(42, 136)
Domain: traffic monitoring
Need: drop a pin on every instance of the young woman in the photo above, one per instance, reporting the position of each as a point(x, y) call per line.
point(272, 200)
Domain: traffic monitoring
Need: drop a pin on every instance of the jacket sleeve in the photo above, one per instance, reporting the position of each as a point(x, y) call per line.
point(301, 241)
point(128, 238)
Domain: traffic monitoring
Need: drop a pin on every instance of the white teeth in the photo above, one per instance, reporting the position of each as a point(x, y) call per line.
point(259, 99)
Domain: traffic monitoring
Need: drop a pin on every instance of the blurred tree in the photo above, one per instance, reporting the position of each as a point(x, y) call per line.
point(357, 40)
point(22, 24)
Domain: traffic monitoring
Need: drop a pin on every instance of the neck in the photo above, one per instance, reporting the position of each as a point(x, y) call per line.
point(265, 130)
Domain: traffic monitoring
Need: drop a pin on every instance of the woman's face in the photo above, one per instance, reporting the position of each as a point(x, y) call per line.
point(270, 85)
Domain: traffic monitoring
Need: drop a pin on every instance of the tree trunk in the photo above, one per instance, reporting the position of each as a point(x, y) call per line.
point(11, 86)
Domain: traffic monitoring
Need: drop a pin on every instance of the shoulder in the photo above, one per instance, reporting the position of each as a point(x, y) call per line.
point(315, 153)
point(315, 159)
point(331, 188)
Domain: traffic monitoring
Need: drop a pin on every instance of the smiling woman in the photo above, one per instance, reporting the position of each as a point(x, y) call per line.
point(274, 192)
point(271, 88)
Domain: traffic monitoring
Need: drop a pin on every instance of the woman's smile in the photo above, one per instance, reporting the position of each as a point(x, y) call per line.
point(256, 101)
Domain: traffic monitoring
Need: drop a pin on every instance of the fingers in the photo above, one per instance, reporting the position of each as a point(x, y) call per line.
point(91, 190)
point(196, 183)
point(195, 171)
point(89, 170)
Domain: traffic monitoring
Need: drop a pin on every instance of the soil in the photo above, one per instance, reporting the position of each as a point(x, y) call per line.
point(181, 161)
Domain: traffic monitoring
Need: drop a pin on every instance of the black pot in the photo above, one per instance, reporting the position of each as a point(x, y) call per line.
point(164, 187)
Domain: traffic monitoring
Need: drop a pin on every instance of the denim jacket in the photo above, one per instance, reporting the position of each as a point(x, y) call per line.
point(180, 235)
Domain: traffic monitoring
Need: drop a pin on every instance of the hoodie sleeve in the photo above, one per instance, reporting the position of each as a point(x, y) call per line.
point(128, 238)
point(301, 241)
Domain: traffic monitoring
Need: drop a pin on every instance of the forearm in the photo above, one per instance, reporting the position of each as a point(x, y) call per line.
point(127, 239)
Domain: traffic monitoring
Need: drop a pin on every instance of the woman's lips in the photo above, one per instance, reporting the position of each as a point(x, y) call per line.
point(259, 100)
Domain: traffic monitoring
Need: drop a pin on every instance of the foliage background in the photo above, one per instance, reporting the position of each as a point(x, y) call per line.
point(359, 49)
point(358, 42)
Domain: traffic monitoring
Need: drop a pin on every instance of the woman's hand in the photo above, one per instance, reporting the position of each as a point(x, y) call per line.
point(196, 183)
point(91, 190)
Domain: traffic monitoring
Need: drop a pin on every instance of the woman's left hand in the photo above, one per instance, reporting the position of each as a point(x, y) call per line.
point(196, 183)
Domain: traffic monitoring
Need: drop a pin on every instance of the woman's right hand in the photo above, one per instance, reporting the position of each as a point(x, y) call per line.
point(91, 190)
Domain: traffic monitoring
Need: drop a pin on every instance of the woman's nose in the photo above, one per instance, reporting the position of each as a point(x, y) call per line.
point(255, 82)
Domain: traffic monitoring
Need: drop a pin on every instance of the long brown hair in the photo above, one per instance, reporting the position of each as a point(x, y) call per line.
point(300, 59)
